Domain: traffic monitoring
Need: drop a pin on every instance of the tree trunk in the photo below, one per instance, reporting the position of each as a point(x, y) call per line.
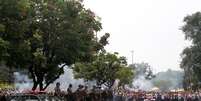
point(40, 79)
point(38, 83)
point(35, 85)
point(41, 85)
point(46, 86)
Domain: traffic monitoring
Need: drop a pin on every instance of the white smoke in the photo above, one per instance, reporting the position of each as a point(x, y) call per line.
point(172, 79)
point(167, 80)
point(22, 81)
point(140, 83)
point(66, 79)
point(141, 71)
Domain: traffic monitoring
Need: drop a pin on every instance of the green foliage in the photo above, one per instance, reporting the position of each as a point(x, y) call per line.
point(143, 69)
point(191, 56)
point(105, 68)
point(192, 27)
point(125, 75)
point(172, 78)
point(5, 74)
point(3, 49)
point(44, 36)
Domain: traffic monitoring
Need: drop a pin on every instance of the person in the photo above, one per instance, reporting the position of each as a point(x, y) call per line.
point(70, 96)
point(79, 95)
point(158, 97)
point(57, 90)
point(104, 95)
point(69, 90)
point(86, 94)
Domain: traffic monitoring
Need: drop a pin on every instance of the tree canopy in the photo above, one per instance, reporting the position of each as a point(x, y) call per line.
point(143, 69)
point(168, 80)
point(191, 56)
point(44, 36)
point(105, 69)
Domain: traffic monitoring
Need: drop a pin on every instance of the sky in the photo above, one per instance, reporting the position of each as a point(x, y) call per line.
point(151, 28)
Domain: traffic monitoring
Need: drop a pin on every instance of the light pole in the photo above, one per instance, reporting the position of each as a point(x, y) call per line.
point(132, 52)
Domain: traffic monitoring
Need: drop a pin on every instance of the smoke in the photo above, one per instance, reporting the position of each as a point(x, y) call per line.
point(142, 71)
point(116, 83)
point(22, 81)
point(169, 80)
point(165, 81)
point(140, 83)
point(66, 79)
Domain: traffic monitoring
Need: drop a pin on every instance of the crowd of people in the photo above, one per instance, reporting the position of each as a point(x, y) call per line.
point(96, 94)
point(160, 96)
point(83, 93)
point(6, 92)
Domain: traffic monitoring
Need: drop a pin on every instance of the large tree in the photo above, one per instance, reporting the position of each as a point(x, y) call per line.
point(143, 69)
point(191, 56)
point(44, 36)
point(105, 69)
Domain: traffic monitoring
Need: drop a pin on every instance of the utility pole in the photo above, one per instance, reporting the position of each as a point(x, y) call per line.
point(132, 52)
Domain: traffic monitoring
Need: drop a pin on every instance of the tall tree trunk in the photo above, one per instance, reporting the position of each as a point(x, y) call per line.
point(41, 85)
point(40, 79)
point(35, 85)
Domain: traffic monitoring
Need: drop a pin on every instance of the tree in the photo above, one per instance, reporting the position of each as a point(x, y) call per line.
point(191, 56)
point(171, 77)
point(143, 69)
point(44, 36)
point(163, 85)
point(105, 69)
point(125, 75)
point(6, 75)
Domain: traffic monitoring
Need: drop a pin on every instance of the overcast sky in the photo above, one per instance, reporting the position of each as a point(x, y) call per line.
point(149, 27)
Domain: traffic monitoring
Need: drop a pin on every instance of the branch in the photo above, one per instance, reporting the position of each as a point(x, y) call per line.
point(32, 73)
point(48, 83)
